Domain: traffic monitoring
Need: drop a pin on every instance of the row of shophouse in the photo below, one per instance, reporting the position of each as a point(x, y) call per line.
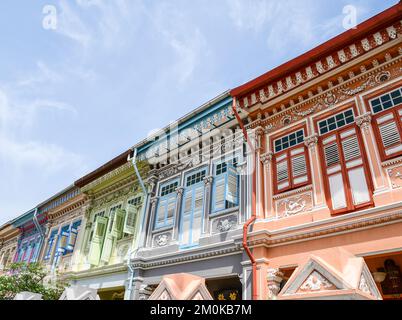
point(288, 186)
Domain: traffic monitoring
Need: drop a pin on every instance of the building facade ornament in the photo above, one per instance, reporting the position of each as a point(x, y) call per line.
point(363, 121)
point(311, 141)
point(274, 279)
point(208, 180)
point(266, 158)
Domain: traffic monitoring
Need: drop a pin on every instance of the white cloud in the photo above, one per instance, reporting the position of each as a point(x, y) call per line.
point(186, 39)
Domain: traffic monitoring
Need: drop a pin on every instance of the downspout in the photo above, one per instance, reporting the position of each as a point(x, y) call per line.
point(41, 233)
point(144, 190)
point(253, 205)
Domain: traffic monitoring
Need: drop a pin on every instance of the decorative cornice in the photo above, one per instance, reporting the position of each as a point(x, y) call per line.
point(145, 263)
point(322, 231)
point(323, 99)
point(98, 271)
point(391, 162)
point(322, 66)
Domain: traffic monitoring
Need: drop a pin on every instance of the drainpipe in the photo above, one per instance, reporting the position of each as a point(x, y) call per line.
point(144, 190)
point(253, 205)
point(39, 228)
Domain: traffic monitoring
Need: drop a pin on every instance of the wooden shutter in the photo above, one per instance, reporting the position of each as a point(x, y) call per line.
point(97, 240)
point(197, 214)
point(299, 166)
point(161, 212)
point(51, 245)
point(73, 235)
point(117, 228)
point(62, 247)
point(185, 236)
point(232, 186)
point(171, 206)
point(107, 247)
point(347, 182)
point(219, 192)
point(389, 131)
point(282, 172)
point(131, 216)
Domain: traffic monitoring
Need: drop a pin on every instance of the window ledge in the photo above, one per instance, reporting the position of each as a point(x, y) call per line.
point(223, 212)
point(292, 192)
point(162, 229)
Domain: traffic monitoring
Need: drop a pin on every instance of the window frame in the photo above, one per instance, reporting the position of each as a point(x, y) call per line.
point(375, 116)
point(167, 197)
point(288, 151)
point(214, 169)
point(350, 207)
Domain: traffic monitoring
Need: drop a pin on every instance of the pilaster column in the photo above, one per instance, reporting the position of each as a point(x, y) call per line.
point(266, 159)
point(177, 212)
point(311, 142)
point(259, 133)
point(207, 203)
point(153, 202)
point(274, 279)
point(242, 172)
point(377, 172)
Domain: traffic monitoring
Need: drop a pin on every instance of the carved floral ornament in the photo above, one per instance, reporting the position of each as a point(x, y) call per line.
point(364, 121)
point(266, 158)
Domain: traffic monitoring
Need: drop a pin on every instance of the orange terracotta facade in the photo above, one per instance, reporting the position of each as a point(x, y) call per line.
point(309, 215)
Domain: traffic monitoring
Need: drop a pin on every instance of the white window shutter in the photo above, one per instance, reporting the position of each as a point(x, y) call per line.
point(282, 173)
point(389, 133)
point(185, 236)
point(97, 240)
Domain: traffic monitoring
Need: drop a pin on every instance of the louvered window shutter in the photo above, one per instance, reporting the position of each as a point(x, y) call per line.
point(299, 166)
point(232, 186)
point(51, 245)
point(97, 240)
point(131, 215)
point(388, 127)
point(197, 214)
point(63, 240)
point(282, 172)
point(107, 247)
point(161, 212)
point(219, 192)
point(186, 218)
point(73, 235)
point(117, 228)
point(171, 206)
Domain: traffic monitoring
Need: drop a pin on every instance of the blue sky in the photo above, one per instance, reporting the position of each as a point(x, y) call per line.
point(111, 72)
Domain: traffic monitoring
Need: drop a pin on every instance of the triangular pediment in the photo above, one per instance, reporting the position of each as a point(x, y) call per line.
point(313, 276)
point(316, 282)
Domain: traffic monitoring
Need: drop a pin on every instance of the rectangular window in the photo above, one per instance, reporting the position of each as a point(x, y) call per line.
point(195, 178)
point(290, 162)
point(387, 123)
point(347, 182)
point(386, 101)
point(74, 229)
point(335, 122)
point(225, 190)
point(97, 240)
point(167, 205)
point(51, 244)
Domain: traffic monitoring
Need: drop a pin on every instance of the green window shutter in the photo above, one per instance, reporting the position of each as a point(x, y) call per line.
point(117, 228)
point(97, 240)
point(107, 247)
point(131, 216)
point(232, 186)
